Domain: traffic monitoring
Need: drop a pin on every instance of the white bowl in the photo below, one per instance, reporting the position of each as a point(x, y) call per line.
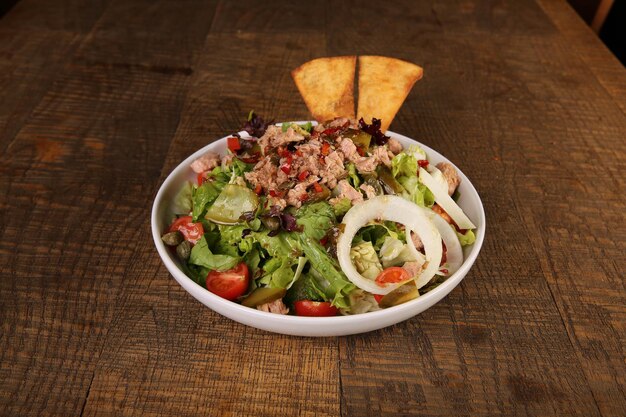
point(162, 212)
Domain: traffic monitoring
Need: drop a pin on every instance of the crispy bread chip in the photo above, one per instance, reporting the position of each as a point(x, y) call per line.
point(327, 86)
point(384, 84)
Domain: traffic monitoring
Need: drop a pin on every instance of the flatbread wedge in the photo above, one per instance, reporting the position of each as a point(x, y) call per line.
point(384, 84)
point(327, 86)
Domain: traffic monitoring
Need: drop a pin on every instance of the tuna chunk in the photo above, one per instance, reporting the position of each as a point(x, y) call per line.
point(333, 169)
point(413, 268)
point(276, 307)
point(297, 193)
point(370, 192)
point(451, 176)
point(366, 164)
point(274, 137)
point(394, 146)
point(383, 155)
point(345, 190)
point(277, 201)
point(417, 242)
point(264, 173)
point(206, 162)
point(348, 148)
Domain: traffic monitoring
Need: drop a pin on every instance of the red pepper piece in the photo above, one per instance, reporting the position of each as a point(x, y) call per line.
point(302, 176)
point(233, 144)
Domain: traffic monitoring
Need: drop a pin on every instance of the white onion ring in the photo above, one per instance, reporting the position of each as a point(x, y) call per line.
point(445, 201)
point(454, 252)
point(398, 210)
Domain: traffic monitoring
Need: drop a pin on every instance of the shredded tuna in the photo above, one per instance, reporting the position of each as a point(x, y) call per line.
point(383, 155)
point(451, 176)
point(276, 307)
point(366, 164)
point(277, 201)
point(348, 148)
point(417, 242)
point(206, 162)
point(264, 174)
point(413, 268)
point(370, 192)
point(394, 146)
point(297, 194)
point(274, 137)
point(333, 169)
point(345, 190)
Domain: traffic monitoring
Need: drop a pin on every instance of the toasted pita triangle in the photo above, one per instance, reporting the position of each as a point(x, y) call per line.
point(384, 84)
point(327, 86)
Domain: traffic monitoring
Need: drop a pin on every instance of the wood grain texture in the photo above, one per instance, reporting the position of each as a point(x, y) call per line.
point(100, 102)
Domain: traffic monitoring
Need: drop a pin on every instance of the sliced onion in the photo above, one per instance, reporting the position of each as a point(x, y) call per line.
point(454, 252)
point(445, 201)
point(398, 210)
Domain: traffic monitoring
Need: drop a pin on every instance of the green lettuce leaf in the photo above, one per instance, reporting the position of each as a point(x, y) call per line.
point(366, 260)
point(283, 245)
point(404, 164)
point(342, 206)
point(467, 239)
point(183, 201)
point(331, 279)
point(203, 196)
point(316, 219)
point(353, 177)
point(201, 255)
point(305, 288)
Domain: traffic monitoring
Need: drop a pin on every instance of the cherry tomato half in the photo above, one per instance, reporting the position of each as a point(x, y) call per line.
point(392, 275)
point(315, 308)
point(191, 231)
point(229, 284)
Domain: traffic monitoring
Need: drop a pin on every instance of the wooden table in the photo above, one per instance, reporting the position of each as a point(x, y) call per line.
point(100, 100)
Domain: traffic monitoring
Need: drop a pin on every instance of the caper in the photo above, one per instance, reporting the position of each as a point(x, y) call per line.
point(173, 238)
point(184, 250)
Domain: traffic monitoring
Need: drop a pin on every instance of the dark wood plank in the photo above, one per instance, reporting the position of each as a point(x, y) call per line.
point(73, 16)
point(83, 166)
point(608, 70)
point(68, 168)
point(207, 363)
point(101, 101)
point(270, 16)
point(515, 100)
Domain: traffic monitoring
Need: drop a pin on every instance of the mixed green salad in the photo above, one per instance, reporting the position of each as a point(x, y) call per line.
point(335, 218)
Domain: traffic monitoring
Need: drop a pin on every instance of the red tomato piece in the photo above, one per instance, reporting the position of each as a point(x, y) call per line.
point(392, 275)
point(325, 148)
point(233, 144)
point(378, 297)
point(229, 284)
point(423, 163)
point(191, 231)
point(200, 178)
point(302, 176)
point(309, 308)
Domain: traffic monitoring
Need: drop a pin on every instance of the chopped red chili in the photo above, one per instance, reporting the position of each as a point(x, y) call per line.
point(302, 176)
point(233, 144)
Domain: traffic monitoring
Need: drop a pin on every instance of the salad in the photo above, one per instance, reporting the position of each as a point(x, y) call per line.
point(319, 220)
